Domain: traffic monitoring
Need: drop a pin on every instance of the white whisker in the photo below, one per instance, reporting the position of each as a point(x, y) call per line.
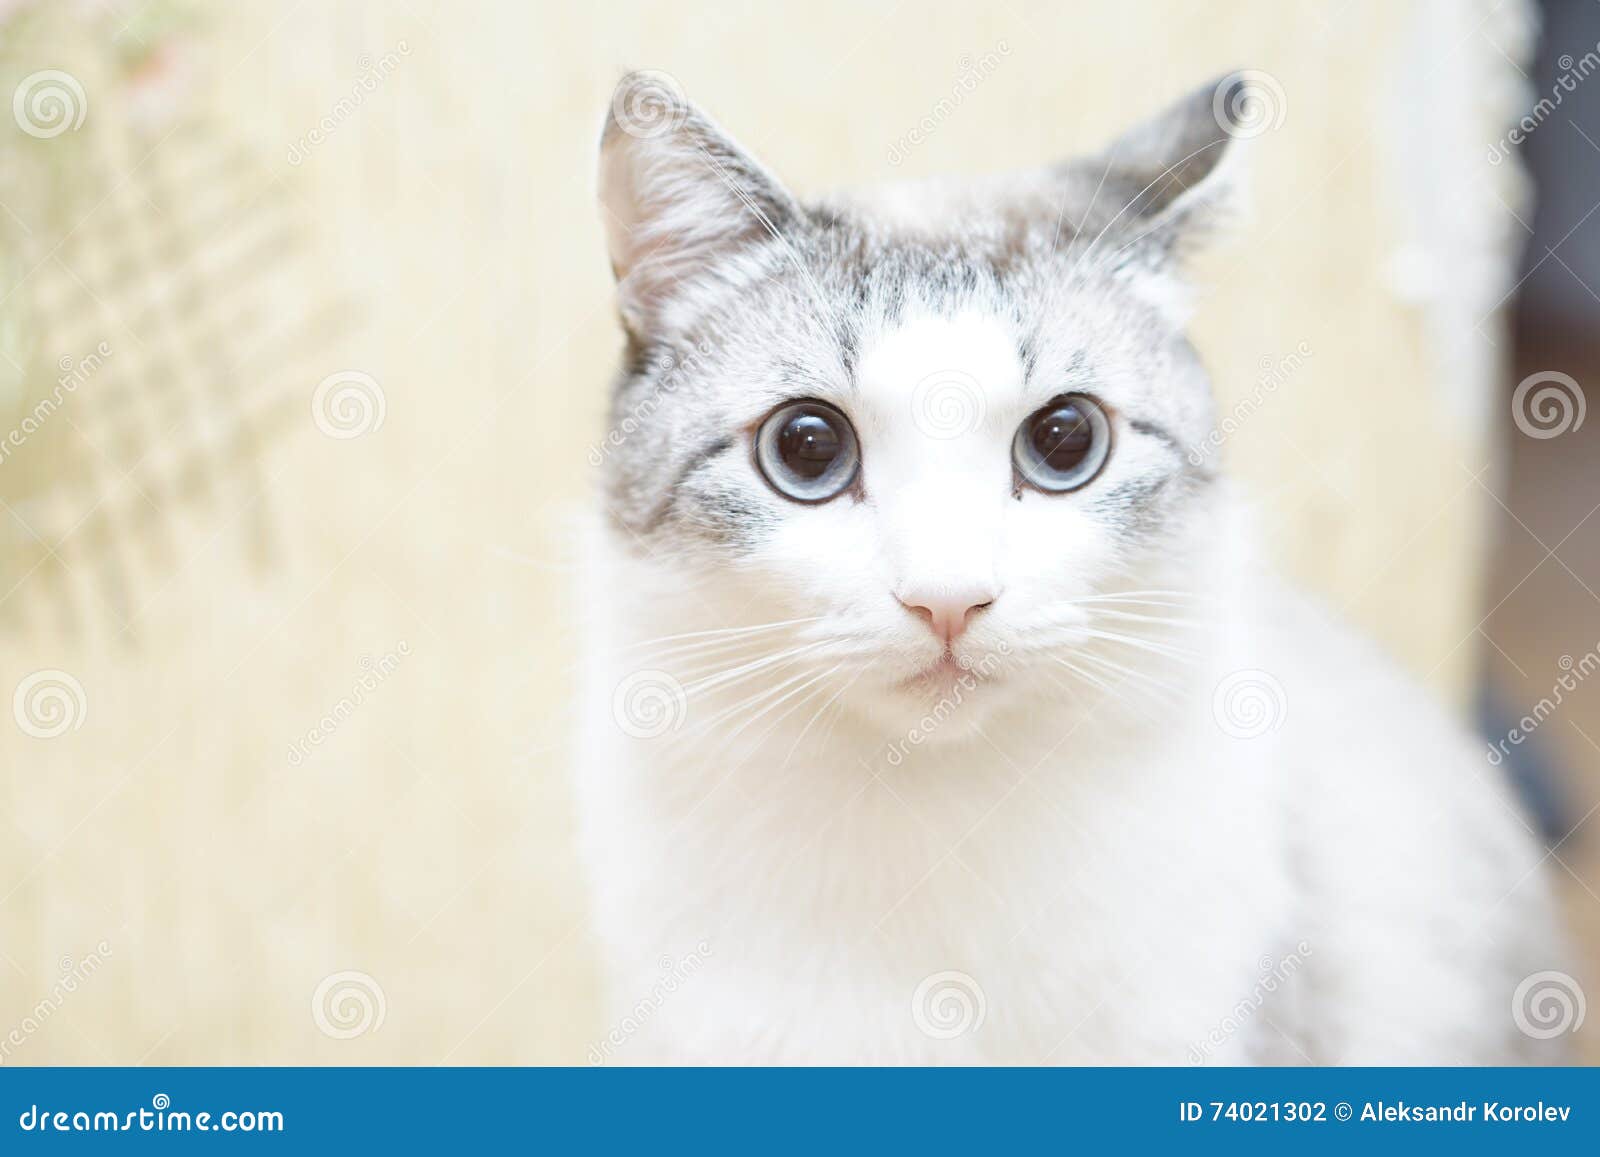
point(784, 698)
point(838, 714)
point(702, 685)
point(1139, 598)
point(1114, 692)
point(1137, 643)
point(747, 702)
point(1163, 687)
point(817, 686)
point(724, 631)
point(795, 746)
point(1087, 677)
point(1158, 620)
point(695, 662)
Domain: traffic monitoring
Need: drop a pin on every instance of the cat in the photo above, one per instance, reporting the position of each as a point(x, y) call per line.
point(937, 707)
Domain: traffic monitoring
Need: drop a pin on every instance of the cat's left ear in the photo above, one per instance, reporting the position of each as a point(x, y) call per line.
point(679, 199)
point(1165, 186)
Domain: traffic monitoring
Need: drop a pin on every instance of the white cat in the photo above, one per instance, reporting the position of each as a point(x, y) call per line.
point(939, 710)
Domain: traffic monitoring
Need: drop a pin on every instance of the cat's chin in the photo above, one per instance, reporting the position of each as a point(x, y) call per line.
point(938, 704)
point(944, 681)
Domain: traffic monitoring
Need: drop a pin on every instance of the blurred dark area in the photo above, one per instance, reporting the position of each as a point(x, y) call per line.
point(1542, 588)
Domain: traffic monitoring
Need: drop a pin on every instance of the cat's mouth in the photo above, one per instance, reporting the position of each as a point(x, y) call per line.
point(948, 672)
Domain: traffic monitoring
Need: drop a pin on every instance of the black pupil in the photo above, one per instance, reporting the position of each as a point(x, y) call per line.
point(1062, 438)
point(808, 444)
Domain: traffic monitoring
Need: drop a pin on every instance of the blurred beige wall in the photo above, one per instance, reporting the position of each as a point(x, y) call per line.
point(190, 547)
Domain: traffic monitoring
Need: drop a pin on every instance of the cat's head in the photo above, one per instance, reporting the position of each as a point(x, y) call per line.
point(932, 426)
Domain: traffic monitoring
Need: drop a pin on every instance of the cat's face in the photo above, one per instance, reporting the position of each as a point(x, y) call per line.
point(941, 431)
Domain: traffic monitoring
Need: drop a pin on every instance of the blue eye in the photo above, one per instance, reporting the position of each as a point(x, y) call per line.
point(807, 451)
point(1063, 445)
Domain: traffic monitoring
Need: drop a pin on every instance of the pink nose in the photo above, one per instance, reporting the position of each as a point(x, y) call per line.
point(946, 612)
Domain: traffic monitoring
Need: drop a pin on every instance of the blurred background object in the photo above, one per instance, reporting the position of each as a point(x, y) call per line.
point(1540, 633)
point(305, 335)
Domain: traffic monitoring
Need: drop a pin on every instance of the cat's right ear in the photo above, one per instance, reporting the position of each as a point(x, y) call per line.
point(1175, 179)
point(678, 198)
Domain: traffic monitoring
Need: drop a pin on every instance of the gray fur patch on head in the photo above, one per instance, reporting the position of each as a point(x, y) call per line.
point(736, 296)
